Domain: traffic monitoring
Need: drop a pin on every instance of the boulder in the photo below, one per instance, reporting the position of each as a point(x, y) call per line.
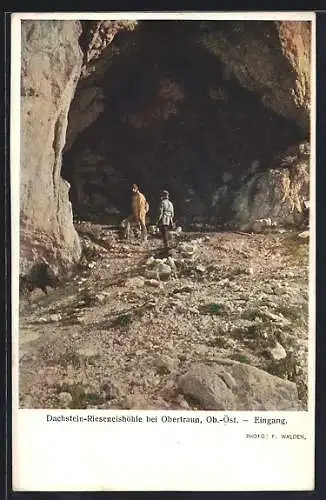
point(164, 271)
point(113, 390)
point(136, 401)
point(165, 364)
point(153, 282)
point(65, 399)
point(277, 352)
point(151, 274)
point(237, 387)
point(135, 282)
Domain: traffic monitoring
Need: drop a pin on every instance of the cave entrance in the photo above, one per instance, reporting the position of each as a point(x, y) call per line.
point(172, 117)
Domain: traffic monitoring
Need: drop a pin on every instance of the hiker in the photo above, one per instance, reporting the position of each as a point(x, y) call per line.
point(139, 208)
point(165, 221)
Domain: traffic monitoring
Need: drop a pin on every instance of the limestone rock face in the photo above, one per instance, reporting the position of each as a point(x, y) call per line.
point(277, 194)
point(270, 58)
point(51, 64)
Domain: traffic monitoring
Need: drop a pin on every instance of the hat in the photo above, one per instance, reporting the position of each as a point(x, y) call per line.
point(165, 193)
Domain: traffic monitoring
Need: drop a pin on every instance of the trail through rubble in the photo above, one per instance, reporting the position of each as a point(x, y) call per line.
point(222, 323)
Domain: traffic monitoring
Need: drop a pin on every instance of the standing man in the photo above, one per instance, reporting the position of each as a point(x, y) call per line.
point(165, 221)
point(140, 208)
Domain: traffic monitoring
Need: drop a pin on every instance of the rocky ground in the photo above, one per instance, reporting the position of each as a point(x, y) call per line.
point(221, 324)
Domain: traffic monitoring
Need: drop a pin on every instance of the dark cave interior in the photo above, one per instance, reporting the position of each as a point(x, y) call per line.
point(173, 119)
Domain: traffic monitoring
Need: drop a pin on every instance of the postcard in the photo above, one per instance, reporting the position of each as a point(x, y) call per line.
point(163, 237)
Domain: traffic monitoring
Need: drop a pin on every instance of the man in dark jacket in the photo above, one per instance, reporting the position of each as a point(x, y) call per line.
point(165, 220)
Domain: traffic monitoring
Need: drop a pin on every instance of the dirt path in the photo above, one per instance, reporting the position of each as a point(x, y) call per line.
point(112, 338)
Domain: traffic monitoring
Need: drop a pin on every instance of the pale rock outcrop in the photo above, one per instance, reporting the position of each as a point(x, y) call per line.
point(51, 62)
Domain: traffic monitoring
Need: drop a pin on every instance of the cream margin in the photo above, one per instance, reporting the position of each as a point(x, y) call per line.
point(113, 457)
